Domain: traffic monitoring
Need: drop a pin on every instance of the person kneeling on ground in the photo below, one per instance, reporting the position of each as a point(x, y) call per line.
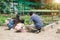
point(38, 24)
point(20, 26)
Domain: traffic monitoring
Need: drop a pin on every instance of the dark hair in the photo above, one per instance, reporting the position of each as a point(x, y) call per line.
point(31, 13)
point(17, 15)
point(22, 21)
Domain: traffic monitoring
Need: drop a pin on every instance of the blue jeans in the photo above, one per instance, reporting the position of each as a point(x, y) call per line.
point(10, 26)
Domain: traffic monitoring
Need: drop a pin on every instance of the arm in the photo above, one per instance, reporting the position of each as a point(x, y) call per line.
point(30, 21)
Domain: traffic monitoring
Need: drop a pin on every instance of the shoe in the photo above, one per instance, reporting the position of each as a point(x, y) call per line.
point(38, 31)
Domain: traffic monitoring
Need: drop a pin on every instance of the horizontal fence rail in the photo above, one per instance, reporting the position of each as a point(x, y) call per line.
point(39, 10)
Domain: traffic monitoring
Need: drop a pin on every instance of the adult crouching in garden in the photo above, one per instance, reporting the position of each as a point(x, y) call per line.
point(38, 24)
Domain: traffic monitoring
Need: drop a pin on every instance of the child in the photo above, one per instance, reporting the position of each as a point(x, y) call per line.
point(20, 26)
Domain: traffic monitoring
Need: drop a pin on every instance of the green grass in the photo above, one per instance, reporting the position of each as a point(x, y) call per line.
point(46, 19)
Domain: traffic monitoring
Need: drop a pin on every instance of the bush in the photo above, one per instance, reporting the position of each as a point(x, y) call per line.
point(2, 20)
